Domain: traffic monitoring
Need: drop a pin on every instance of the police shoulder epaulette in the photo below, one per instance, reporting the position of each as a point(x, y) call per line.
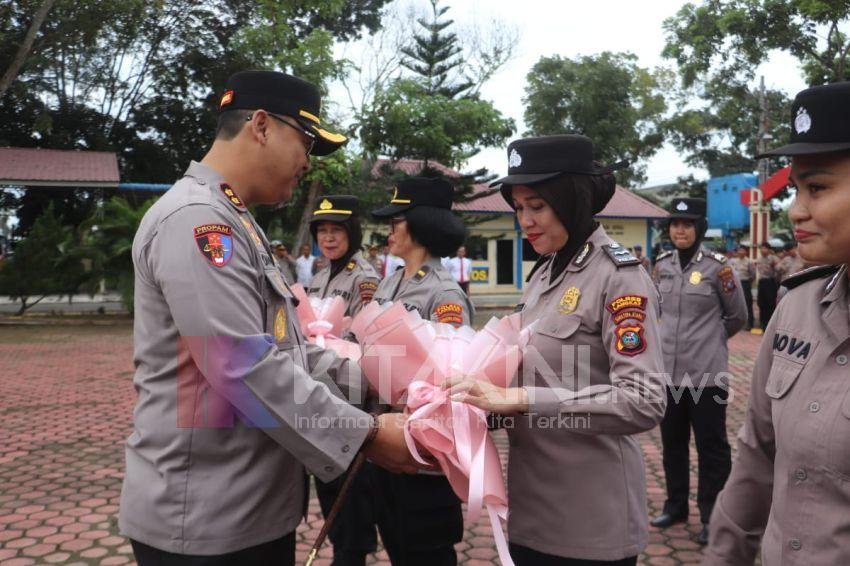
point(232, 197)
point(718, 257)
point(619, 255)
point(816, 272)
point(422, 272)
point(662, 255)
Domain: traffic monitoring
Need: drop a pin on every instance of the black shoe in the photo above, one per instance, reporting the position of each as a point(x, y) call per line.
point(664, 520)
point(702, 537)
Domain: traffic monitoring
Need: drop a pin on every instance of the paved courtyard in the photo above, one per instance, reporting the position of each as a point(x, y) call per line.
point(66, 401)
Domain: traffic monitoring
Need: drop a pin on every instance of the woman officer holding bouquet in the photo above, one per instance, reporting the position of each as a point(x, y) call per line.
point(592, 373)
point(335, 226)
point(419, 516)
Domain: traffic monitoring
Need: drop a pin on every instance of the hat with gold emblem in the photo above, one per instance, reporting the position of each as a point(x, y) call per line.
point(334, 208)
point(417, 191)
point(281, 94)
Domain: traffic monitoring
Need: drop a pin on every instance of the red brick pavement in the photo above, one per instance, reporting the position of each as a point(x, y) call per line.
point(66, 401)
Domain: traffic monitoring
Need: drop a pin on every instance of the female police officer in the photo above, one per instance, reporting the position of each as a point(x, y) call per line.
point(702, 306)
point(592, 373)
point(419, 516)
point(790, 484)
point(335, 226)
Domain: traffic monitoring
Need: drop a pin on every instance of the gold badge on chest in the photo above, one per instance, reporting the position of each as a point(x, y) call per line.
point(569, 301)
point(280, 324)
point(696, 277)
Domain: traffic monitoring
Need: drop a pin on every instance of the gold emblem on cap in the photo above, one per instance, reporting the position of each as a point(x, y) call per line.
point(309, 116)
point(396, 200)
point(569, 301)
point(326, 205)
point(696, 277)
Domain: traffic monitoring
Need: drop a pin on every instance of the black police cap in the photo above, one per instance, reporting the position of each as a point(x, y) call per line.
point(417, 191)
point(687, 208)
point(283, 94)
point(820, 121)
point(334, 208)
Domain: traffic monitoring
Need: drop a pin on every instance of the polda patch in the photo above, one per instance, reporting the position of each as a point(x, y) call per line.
point(215, 242)
point(630, 339)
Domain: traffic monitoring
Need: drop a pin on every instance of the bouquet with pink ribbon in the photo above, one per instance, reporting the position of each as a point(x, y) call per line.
point(406, 359)
point(323, 322)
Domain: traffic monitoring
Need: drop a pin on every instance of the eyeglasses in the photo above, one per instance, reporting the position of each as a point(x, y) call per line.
point(311, 143)
point(396, 221)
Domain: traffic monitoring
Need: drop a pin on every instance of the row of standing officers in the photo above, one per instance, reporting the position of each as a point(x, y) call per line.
point(234, 404)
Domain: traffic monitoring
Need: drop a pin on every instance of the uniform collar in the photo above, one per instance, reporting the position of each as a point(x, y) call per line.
point(206, 175)
point(836, 315)
point(590, 250)
point(701, 253)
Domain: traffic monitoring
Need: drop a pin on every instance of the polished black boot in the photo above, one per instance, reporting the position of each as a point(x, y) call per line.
point(664, 520)
point(702, 537)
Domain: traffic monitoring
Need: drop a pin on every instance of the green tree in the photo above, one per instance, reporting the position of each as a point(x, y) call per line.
point(607, 97)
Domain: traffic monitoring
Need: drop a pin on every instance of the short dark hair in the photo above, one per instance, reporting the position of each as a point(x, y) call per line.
point(229, 124)
point(440, 231)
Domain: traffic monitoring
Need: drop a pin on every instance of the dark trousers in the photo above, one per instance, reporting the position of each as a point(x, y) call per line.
point(464, 286)
point(747, 286)
point(524, 556)
point(419, 518)
point(280, 552)
point(707, 417)
point(767, 290)
point(353, 531)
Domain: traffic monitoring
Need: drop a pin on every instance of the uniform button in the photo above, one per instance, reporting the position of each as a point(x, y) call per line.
point(814, 407)
point(841, 360)
point(800, 474)
point(795, 544)
point(346, 448)
point(329, 469)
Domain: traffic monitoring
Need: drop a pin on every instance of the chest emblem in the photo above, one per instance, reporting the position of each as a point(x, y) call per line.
point(280, 324)
point(569, 301)
point(696, 277)
point(215, 242)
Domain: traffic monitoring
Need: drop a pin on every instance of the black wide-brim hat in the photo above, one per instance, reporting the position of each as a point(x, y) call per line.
point(417, 191)
point(532, 160)
point(334, 208)
point(687, 209)
point(283, 94)
point(820, 121)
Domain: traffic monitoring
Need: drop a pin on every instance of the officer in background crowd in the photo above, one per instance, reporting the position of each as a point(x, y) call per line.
point(419, 517)
point(335, 227)
point(745, 269)
point(789, 491)
point(644, 261)
point(702, 306)
point(228, 413)
point(767, 266)
point(284, 260)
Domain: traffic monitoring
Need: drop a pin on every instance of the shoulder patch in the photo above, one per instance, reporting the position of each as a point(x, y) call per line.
point(232, 197)
point(619, 255)
point(630, 302)
point(215, 242)
point(630, 339)
point(816, 272)
point(718, 257)
point(449, 313)
point(727, 279)
point(367, 290)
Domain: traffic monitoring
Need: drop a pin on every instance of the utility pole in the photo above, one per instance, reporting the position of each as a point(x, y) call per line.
point(759, 210)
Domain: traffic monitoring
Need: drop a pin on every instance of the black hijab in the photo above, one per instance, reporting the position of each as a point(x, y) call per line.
point(687, 254)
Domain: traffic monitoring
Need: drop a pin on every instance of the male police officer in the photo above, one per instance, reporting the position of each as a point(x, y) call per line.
point(228, 413)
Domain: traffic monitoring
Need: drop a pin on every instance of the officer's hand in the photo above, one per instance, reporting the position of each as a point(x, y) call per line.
point(389, 450)
point(486, 396)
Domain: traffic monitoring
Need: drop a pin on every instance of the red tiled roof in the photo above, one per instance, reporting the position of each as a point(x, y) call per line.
point(33, 166)
point(624, 203)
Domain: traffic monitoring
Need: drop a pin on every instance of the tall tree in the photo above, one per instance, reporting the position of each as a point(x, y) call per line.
point(607, 97)
point(25, 46)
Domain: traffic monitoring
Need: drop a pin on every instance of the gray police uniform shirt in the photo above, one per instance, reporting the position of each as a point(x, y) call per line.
point(702, 306)
point(789, 490)
point(356, 283)
point(432, 292)
point(594, 377)
point(227, 413)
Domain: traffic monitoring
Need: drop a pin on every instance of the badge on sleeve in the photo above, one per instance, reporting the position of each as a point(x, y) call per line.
point(215, 242)
point(630, 341)
point(624, 302)
point(449, 313)
point(727, 280)
point(569, 301)
point(367, 291)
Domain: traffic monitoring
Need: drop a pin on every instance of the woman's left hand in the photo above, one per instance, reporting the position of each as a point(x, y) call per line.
point(486, 396)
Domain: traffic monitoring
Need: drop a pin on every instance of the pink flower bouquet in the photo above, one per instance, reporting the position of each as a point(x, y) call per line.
point(323, 322)
point(406, 359)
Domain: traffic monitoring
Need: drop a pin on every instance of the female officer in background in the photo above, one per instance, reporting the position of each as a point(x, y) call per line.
point(419, 516)
point(336, 228)
point(790, 485)
point(591, 376)
point(702, 307)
